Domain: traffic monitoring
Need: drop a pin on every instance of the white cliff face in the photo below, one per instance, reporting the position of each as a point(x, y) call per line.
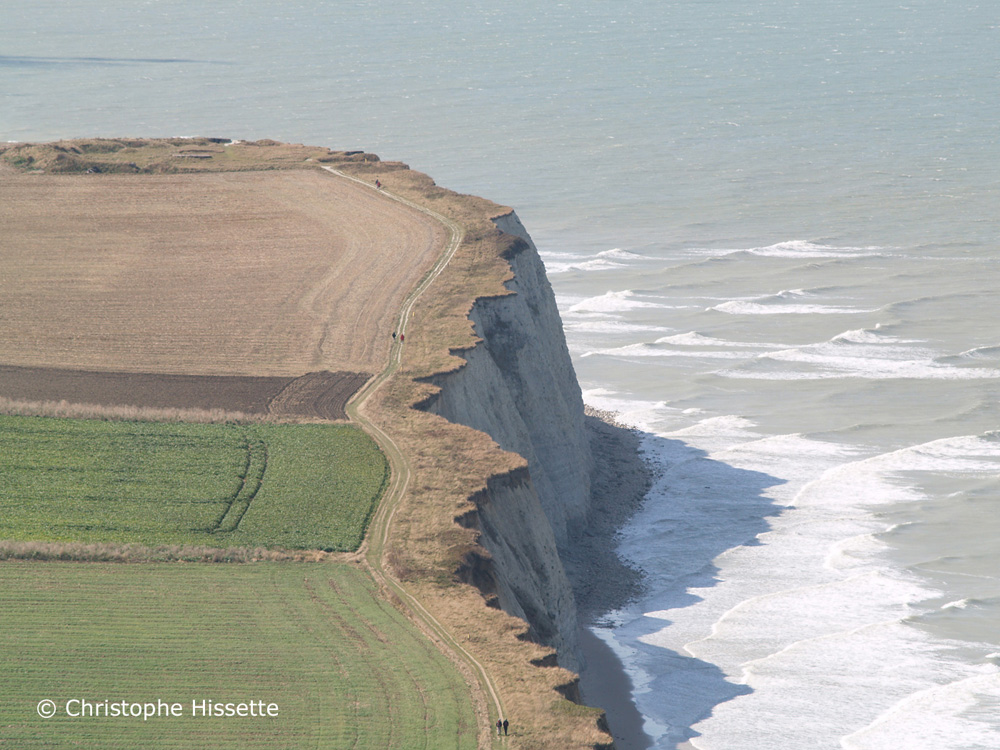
point(524, 571)
point(519, 387)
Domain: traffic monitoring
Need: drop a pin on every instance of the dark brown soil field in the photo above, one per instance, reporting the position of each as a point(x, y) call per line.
point(320, 395)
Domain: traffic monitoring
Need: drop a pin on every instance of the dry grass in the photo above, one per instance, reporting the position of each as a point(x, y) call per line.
point(134, 553)
point(168, 155)
point(67, 410)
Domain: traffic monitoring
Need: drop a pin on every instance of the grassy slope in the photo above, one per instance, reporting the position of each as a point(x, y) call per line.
point(308, 486)
point(345, 668)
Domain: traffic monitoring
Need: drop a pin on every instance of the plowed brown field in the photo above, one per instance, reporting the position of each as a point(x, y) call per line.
point(130, 285)
point(318, 394)
point(242, 273)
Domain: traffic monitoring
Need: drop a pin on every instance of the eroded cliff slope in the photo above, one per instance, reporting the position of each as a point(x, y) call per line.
point(519, 387)
point(486, 409)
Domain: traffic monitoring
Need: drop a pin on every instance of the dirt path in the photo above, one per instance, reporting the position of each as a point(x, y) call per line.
point(381, 523)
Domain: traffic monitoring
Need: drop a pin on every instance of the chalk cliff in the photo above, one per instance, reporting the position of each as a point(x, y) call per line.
point(519, 387)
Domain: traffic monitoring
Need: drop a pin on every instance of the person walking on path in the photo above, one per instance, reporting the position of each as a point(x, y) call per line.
point(505, 725)
point(499, 726)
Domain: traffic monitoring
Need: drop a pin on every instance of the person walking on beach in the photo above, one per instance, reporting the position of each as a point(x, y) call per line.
point(499, 726)
point(505, 725)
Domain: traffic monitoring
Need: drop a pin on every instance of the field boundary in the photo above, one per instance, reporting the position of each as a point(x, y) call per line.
point(373, 548)
point(107, 394)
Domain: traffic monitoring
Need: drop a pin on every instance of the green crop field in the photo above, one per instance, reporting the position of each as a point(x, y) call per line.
point(342, 667)
point(296, 486)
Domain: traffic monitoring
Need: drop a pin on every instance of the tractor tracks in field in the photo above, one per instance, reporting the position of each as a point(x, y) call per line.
point(378, 531)
point(253, 476)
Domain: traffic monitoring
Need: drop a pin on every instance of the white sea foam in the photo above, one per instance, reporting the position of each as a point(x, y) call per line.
point(704, 435)
point(854, 553)
point(590, 393)
point(972, 357)
point(869, 336)
point(597, 264)
point(690, 344)
point(817, 692)
point(590, 325)
point(959, 714)
point(990, 352)
point(970, 454)
point(696, 339)
point(768, 562)
point(629, 350)
point(649, 416)
point(802, 249)
point(617, 302)
point(560, 257)
point(727, 473)
point(618, 254)
point(556, 263)
point(805, 249)
point(808, 617)
point(959, 604)
point(615, 258)
point(760, 626)
point(787, 302)
point(651, 350)
point(737, 307)
point(861, 353)
point(794, 458)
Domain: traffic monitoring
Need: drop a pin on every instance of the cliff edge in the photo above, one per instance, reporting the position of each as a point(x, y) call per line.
point(488, 411)
point(519, 387)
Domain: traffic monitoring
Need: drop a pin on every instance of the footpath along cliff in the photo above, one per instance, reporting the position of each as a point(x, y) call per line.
point(519, 387)
point(515, 485)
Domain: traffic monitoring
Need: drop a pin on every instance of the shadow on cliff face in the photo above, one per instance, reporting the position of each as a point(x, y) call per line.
point(619, 480)
point(696, 509)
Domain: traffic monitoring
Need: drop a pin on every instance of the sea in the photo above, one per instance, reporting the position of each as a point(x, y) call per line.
point(772, 231)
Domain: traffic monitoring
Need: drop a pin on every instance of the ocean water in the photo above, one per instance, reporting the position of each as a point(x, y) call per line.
point(772, 231)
